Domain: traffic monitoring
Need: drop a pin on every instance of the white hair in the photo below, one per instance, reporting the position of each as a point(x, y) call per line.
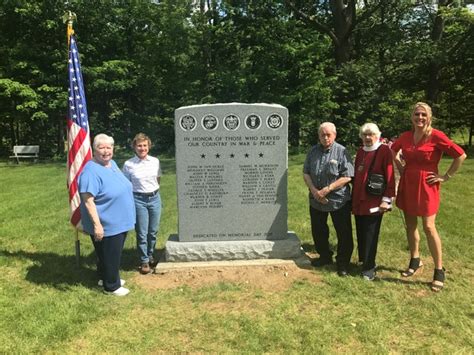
point(329, 125)
point(101, 139)
point(369, 128)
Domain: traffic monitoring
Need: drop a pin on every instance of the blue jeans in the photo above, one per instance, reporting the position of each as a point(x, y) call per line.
point(148, 210)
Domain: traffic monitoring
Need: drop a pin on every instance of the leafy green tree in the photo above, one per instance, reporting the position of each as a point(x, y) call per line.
point(343, 61)
point(252, 51)
point(110, 87)
point(17, 104)
point(33, 53)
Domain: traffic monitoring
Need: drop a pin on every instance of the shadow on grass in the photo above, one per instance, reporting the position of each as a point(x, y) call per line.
point(131, 261)
point(404, 281)
point(63, 271)
point(355, 269)
point(388, 268)
point(398, 280)
point(59, 271)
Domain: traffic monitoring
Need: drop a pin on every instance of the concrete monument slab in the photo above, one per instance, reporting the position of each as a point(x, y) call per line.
point(288, 248)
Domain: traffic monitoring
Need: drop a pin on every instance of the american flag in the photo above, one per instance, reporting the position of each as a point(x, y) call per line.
point(78, 137)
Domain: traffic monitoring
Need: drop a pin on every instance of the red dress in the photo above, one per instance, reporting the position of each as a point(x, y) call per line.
point(362, 201)
point(415, 196)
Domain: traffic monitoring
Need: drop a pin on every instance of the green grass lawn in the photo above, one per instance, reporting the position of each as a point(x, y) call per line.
point(48, 304)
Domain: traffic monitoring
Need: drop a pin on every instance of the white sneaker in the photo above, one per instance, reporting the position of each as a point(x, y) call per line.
point(121, 291)
point(100, 283)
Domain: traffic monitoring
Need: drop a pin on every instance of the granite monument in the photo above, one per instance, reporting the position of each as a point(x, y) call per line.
point(231, 169)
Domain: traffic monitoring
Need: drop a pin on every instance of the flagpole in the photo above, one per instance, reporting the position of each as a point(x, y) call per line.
point(69, 18)
point(78, 249)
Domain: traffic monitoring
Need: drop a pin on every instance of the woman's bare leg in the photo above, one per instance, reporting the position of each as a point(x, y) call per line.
point(434, 241)
point(413, 236)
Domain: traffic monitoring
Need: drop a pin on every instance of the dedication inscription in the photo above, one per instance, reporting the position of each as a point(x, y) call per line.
point(231, 167)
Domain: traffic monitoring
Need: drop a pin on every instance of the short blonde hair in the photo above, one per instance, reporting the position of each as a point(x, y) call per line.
point(428, 129)
point(369, 128)
point(140, 137)
point(102, 138)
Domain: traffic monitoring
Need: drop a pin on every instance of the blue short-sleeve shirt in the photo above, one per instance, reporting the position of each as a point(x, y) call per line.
point(325, 166)
point(113, 198)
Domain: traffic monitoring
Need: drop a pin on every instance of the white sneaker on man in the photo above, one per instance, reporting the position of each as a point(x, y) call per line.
point(121, 291)
point(100, 283)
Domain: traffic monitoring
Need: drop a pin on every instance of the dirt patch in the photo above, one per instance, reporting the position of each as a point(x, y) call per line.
point(265, 277)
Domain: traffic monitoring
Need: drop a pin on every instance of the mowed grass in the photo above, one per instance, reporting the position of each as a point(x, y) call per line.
point(48, 304)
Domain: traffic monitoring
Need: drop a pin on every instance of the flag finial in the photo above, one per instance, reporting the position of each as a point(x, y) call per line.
point(69, 17)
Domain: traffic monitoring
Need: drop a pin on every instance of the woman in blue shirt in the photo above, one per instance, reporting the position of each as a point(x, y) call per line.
point(107, 212)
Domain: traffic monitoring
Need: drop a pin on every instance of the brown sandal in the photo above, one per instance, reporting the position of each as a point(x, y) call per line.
point(438, 280)
point(413, 267)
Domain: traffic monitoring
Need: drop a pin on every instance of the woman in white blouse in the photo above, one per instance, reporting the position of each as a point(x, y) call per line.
point(144, 172)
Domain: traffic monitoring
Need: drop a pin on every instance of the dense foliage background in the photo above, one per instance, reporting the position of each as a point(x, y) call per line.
point(346, 61)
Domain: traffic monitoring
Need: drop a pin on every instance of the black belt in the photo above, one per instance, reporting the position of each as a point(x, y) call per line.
point(148, 194)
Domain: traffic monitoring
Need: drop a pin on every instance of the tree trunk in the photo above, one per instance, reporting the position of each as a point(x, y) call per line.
point(343, 17)
point(343, 21)
point(12, 131)
point(434, 82)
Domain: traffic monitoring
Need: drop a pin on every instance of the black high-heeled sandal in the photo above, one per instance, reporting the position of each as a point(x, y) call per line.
point(438, 280)
point(413, 267)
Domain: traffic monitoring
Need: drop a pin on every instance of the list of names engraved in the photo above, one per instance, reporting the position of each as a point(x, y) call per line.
point(258, 184)
point(205, 186)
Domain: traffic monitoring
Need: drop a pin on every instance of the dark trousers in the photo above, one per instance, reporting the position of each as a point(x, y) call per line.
point(341, 220)
point(368, 230)
point(109, 254)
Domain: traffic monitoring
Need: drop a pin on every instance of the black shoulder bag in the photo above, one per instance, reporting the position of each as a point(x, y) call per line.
point(375, 182)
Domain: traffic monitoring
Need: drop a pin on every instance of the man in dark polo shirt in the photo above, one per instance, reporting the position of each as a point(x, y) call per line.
point(327, 171)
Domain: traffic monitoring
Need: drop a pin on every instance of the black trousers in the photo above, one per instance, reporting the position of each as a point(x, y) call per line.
point(341, 220)
point(368, 230)
point(109, 255)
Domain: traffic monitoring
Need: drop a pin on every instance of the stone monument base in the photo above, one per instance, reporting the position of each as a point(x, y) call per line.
point(288, 248)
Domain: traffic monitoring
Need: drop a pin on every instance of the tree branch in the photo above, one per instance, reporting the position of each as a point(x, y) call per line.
point(461, 41)
point(312, 21)
point(363, 17)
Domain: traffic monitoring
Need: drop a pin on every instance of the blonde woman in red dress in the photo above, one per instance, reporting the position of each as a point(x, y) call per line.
point(418, 192)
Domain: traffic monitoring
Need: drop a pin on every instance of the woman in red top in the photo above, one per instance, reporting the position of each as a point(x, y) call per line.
point(418, 191)
point(373, 157)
